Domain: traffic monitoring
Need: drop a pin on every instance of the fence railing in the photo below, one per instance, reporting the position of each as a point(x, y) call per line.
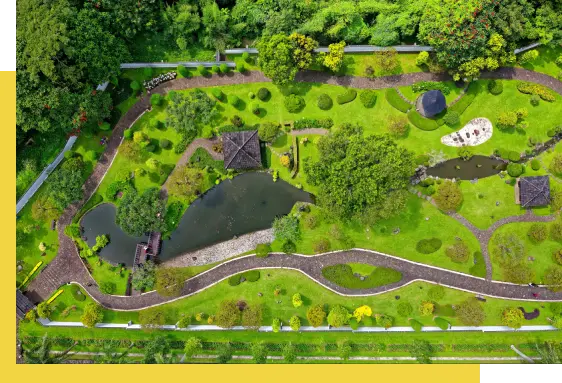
point(187, 64)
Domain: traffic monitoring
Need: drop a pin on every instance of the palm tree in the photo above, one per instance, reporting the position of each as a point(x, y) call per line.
point(110, 356)
point(41, 353)
point(550, 353)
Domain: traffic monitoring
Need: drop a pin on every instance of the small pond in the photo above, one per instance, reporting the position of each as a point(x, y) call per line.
point(247, 203)
point(476, 167)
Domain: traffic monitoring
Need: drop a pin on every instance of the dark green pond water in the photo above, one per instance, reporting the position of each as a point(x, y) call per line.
point(247, 203)
point(476, 167)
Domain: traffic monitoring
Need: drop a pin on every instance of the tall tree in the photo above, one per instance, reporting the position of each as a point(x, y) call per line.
point(41, 353)
point(276, 58)
point(141, 213)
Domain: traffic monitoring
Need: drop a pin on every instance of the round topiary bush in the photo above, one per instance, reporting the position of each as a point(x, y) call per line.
point(535, 164)
point(514, 156)
point(535, 99)
point(147, 72)
point(233, 100)
point(514, 170)
point(294, 103)
point(558, 256)
point(135, 86)
point(246, 56)
point(251, 95)
point(458, 252)
point(202, 70)
point(321, 246)
point(436, 293)
point(428, 246)
point(215, 69)
point(234, 280)
point(224, 68)
point(325, 102)
point(289, 247)
point(368, 98)
point(165, 143)
point(263, 250)
point(263, 94)
point(156, 99)
point(128, 134)
point(268, 131)
point(452, 118)
point(495, 87)
point(252, 275)
point(218, 94)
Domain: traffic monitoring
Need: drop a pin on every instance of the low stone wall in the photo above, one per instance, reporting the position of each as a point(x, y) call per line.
point(223, 250)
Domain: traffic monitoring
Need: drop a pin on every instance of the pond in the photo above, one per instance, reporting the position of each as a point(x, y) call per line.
point(476, 167)
point(247, 203)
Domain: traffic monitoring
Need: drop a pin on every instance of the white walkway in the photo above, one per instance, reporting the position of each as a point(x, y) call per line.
point(44, 174)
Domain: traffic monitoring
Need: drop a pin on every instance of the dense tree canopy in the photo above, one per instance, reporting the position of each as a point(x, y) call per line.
point(354, 172)
point(187, 112)
point(140, 213)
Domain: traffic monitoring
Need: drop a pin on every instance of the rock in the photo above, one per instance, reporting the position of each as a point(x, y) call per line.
point(497, 203)
point(19, 268)
point(260, 295)
point(396, 230)
point(532, 259)
point(427, 218)
point(362, 278)
point(193, 258)
point(397, 297)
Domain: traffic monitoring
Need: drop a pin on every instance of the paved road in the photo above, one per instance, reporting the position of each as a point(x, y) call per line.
point(44, 174)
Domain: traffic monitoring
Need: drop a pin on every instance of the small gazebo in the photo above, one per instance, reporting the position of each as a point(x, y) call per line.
point(534, 191)
point(431, 103)
point(241, 150)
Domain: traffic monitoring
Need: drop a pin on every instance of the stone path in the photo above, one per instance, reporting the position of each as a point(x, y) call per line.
point(68, 266)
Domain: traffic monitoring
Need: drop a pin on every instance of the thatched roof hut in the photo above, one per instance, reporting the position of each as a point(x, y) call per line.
point(241, 150)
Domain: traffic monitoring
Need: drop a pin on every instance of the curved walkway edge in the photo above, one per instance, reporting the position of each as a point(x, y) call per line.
point(68, 266)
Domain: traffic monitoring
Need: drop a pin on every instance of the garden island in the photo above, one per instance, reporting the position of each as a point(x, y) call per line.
point(292, 181)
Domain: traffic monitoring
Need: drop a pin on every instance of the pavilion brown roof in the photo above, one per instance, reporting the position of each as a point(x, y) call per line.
point(241, 150)
point(534, 191)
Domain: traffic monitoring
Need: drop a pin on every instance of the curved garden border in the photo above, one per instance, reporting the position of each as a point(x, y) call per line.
point(68, 266)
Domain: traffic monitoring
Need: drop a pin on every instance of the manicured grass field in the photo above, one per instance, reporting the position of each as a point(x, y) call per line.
point(541, 252)
point(413, 227)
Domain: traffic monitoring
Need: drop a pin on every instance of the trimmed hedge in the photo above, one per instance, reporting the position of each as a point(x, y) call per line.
point(535, 164)
point(421, 122)
point(233, 100)
point(465, 101)
point(250, 276)
point(495, 87)
point(342, 275)
point(346, 97)
point(531, 88)
point(442, 323)
point(294, 103)
point(396, 101)
point(219, 95)
point(263, 94)
point(306, 123)
point(324, 102)
point(428, 246)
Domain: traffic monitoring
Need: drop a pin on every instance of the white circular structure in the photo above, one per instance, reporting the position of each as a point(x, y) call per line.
point(476, 132)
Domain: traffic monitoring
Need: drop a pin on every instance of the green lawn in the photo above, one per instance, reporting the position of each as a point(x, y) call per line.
point(546, 62)
point(541, 252)
point(291, 282)
point(413, 227)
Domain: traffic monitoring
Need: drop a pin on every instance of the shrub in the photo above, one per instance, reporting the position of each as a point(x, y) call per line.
point(449, 196)
point(294, 103)
point(348, 96)
point(428, 246)
point(528, 56)
point(404, 309)
point(465, 152)
point(251, 95)
point(512, 317)
point(436, 293)
point(421, 122)
point(218, 94)
point(234, 280)
point(156, 99)
point(297, 300)
point(165, 143)
point(426, 308)
point(556, 165)
point(252, 275)
point(289, 247)
point(514, 156)
point(417, 326)
point(422, 58)
point(268, 131)
point(233, 100)
point(531, 88)
point(315, 315)
point(368, 98)
point(534, 100)
point(442, 323)
point(263, 94)
point(514, 170)
point(202, 70)
point(263, 250)
point(535, 164)
point(256, 109)
point(385, 321)
point(321, 246)
point(183, 71)
point(422, 159)
point(338, 316)
point(311, 221)
point(342, 275)
point(398, 126)
point(325, 102)
point(471, 313)
point(307, 123)
point(558, 256)
point(240, 67)
point(295, 323)
point(105, 126)
point(107, 287)
point(458, 252)
point(135, 86)
point(507, 120)
point(537, 232)
point(127, 134)
point(224, 68)
point(215, 69)
point(451, 118)
point(495, 87)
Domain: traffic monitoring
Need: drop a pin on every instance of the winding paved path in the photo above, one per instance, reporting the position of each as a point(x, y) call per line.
point(68, 266)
